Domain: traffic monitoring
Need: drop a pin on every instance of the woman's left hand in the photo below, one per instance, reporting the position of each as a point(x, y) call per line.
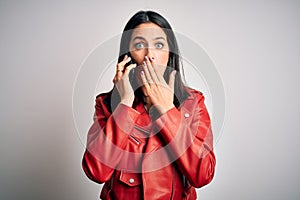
point(156, 89)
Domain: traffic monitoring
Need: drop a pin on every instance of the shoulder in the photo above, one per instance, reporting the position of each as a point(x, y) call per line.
point(194, 94)
point(103, 96)
point(194, 101)
point(104, 100)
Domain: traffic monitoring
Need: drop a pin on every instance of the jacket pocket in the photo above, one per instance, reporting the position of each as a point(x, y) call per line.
point(130, 179)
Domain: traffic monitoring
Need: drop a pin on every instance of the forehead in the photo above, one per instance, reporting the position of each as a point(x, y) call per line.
point(148, 31)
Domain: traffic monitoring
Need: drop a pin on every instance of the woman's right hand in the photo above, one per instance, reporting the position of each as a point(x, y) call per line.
point(121, 80)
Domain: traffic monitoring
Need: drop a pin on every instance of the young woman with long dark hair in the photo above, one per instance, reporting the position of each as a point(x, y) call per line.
point(151, 137)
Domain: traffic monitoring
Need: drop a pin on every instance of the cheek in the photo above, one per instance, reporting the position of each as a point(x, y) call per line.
point(138, 56)
point(162, 58)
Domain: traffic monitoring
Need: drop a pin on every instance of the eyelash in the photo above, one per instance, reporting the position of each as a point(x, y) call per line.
point(136, 45)
point(162, 45)
point(159, 43)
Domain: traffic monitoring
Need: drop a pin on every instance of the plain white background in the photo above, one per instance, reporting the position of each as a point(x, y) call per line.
point(254, 44)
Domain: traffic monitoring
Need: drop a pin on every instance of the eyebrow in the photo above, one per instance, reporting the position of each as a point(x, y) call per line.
point(157, 38)
point(142, 38)
point(138, 37)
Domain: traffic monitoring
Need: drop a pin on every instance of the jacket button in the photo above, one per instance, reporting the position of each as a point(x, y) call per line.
point(131, 180)
point(186, 115)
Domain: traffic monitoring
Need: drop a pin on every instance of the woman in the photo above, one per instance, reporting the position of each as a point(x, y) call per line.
point(151, 137)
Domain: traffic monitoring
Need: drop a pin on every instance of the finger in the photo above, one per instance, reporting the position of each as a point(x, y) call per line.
point(130, 67)
point(158, 73)
point(152, 70)
point(147, 73)
point(159, 69)
point(148, 62)
point(121, 65)
point(144, 81)
point(125, 57)
point(117, 77)
point(172, 80)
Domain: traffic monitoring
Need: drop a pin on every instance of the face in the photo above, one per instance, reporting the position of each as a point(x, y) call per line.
point(148, 39)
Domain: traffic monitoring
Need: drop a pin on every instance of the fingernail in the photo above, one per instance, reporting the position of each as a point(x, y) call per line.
point(125, 57)
point(147, 58)
point(144, 63)
point(142, 73)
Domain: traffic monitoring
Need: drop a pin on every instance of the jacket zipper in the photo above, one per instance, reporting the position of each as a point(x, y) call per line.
point(134, 139)
point(142, 130)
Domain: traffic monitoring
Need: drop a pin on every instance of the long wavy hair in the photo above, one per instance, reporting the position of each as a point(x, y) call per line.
point(180, 92)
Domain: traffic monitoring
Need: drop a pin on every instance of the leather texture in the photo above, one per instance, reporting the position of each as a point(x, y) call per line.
point(138, 158)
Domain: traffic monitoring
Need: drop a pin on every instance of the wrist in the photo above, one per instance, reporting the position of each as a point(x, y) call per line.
point(127, 101)
point(164, 109)
point(157, 110)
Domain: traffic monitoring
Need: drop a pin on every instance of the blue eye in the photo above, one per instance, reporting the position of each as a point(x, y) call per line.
point(159, 45)
point(139, 45)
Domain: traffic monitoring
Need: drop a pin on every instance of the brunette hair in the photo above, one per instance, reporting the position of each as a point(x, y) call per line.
point(180, 92)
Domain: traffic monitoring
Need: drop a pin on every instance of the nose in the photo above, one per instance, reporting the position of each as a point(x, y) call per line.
point(150, 53)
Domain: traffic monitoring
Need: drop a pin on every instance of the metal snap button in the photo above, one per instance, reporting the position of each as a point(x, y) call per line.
point(131, 180)
point(186, 115)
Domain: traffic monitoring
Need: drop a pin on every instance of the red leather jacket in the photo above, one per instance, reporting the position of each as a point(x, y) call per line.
point(140, 158)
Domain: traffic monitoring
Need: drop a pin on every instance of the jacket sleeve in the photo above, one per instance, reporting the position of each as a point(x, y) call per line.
point(106, 140)
point(189, 137)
